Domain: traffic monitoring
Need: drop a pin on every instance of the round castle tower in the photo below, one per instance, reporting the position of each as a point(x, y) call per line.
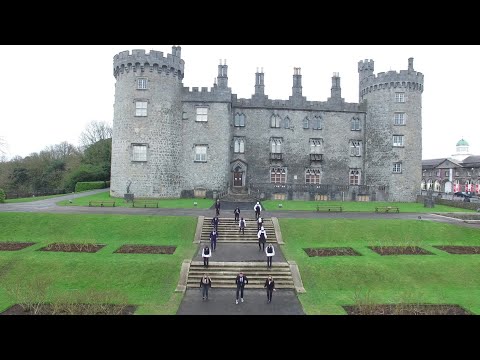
point(394, 124)
point(146, 140)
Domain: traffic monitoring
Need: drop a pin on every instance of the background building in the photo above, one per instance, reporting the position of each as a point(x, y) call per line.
point(172, 141)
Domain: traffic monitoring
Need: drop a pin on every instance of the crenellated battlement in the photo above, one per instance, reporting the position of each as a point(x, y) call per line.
point(406, 79)
point(139, 60)
point(292, 105)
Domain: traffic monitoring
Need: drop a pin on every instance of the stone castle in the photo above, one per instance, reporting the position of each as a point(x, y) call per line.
point(170, 141)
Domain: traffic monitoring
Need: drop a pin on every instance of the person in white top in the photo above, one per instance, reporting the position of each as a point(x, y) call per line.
point(262, 238)
point(270, 252)
point(258, 209)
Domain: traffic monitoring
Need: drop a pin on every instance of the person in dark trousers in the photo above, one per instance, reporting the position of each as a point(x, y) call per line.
point(242, 225)
point(270, 252)
point(205, 284)
point(236, 212)
point(217, 207)
point(262, 238)
point(206, 253)
point(241, 281)
point(215, 222)
point(213, 239)
point(270, 286)
point(258, 209)
point(259, 223)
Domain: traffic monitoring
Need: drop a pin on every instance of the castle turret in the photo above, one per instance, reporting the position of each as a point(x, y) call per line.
point(147, 123)
point(393, 153)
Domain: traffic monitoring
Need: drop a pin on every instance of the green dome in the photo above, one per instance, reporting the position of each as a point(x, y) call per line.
point(462, 143)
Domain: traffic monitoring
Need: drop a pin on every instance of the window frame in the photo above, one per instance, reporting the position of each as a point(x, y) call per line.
point(241, 145)
point(135, 154)
point(398, 144)
point(200, 117)
point(316, 174)
point(141, 111)
point(239, 120)
point(354, 122)
point(355, 175)
point(197, 157)
point(278, 173)
point(141, 80)
point(397, 168)
point(356, 151)
point(400, 97)
point(399, 121)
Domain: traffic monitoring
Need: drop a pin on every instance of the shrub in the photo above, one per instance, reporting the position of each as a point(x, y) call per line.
point(90, 185)
point(2, 196)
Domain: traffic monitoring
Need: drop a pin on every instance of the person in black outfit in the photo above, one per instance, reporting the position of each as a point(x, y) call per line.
point(206, 253)
point(205, 283)
point(242, 224)
point(213, 239)
point(270, 286)
point(258, 209)
point(241, 281)
point(215, 222)
point(217, 207)
point(237, 213)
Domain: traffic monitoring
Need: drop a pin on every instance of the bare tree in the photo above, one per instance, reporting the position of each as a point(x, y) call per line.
point(94, 132)
point(3, 146)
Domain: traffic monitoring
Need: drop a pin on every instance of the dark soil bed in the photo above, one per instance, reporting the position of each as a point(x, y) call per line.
point(400, 250)
point(72, 309)
point(345, 251)
point(406, 309)
point(14, 246)
point(462, 250)
point(61, 247)
point(146, 249)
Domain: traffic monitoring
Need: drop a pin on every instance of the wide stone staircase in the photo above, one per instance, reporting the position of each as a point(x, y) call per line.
point(228, 231)
point(223, 273)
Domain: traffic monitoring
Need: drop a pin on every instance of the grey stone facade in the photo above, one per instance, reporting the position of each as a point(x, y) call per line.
point(309, 137)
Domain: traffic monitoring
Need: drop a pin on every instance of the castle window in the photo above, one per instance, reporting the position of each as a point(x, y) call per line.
point(355, 124)
point(239, 145)
point(202, 113)
point(312, 176)
point(275, 121)
point(306, 123)
point(141, 108)
point(317, 123)
point(141, 83)
point(316, 146)
point(139, 152)
point(400, 97)
point(397, 140)
point(397, 168)
point(436, 186)
point(423, 185)
point(354, 177)
point(278, 175)
point(276, 145)
point(286, 123)
point(239, 120)
point(200, 153)
point(399, 119)
point(355, 148)
point(438, 173)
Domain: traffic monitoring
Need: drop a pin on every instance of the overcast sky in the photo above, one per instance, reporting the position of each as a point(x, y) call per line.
point(48, 94)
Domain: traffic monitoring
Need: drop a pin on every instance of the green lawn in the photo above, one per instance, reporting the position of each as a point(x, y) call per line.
point(145, 280)
point(78, 200)
point(272, 205)
point(331, 282)
point(30, 199)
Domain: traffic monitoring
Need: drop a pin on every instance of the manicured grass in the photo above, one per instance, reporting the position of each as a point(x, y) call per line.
point(79, 200)
point(148, 281)
point(357, 206)
point(30, 199)
point(335, 281)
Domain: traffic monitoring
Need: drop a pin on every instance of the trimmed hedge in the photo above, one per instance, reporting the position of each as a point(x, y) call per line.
point(2, 196)
point(91, 185)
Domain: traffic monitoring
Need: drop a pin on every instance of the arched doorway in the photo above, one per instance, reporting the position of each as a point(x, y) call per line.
point(239, 172)
point(238, 177)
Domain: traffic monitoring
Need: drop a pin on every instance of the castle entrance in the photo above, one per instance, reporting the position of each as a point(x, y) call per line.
point(238, 179)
